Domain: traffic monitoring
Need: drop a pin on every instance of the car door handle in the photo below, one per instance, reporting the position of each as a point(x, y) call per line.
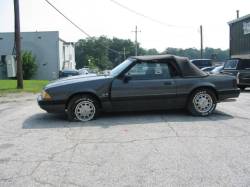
point(168, 83)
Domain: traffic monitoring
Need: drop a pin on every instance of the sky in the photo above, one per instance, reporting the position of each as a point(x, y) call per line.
point(179, 20)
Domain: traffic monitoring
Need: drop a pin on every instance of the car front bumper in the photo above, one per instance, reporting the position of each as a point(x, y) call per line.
point(51, 106)
point(226, 94)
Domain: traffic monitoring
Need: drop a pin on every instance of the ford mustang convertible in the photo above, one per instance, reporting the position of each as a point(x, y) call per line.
point(140, 83)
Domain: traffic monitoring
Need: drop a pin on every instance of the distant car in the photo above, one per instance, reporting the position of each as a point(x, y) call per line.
point(106, 72)
point(217, 70)
point(239, 68)
point(140, 83)
point(208, 69)
point(86, 71)
point(202, 63)
point(83, 71)
point(68, 73)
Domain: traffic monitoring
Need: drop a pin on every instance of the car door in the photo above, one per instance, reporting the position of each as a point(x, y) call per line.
point(146, 85)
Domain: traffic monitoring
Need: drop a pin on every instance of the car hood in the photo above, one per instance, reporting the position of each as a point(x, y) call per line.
point(76, 79)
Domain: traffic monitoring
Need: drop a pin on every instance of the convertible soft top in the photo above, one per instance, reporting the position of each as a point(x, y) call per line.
point(187, 68)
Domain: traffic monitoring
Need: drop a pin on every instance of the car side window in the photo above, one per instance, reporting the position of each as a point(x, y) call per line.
point(149, 70)
point(231, 64)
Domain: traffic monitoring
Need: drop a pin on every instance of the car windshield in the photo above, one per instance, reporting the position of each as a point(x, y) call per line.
point(118, 69)
point(231, 64)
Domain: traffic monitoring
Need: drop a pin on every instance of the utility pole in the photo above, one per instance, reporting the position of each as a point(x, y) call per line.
point(136, 44)
point(201, 33)
point(124, 53)
point(237, 14)
point(19, 73)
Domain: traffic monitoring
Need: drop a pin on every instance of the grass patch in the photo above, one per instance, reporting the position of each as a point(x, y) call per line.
point(34, 86)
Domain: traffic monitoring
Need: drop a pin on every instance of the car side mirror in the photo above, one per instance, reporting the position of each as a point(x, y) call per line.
point(126, 78)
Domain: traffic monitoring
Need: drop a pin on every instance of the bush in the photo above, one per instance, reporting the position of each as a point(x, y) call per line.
point(29, 65)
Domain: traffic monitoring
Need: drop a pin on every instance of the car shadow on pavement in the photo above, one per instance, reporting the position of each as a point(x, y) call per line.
point(245, 91)
point(45, 120)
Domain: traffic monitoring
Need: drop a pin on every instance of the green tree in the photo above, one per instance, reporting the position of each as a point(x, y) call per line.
point(193, 53)
point(122, 46)
point(216, 54)
point(152, 51)
point(96, 52)
point(29, 65)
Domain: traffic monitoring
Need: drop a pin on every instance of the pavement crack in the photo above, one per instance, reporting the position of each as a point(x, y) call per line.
point(20, 171)
point(72, 154)
point(74, 184)
point(172, 128)
point(240, 117)
point(52, 156)
point(232, 126)
point(37, 166)
point(87, 141)
point(43, 182)
point(73, 148)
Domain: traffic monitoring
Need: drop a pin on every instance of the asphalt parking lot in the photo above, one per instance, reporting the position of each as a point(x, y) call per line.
point(126, 149)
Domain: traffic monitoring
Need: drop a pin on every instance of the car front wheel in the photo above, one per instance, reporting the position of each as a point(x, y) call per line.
point(82, 108)
point(202, 102)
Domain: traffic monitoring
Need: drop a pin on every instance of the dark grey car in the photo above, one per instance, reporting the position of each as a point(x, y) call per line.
point(140, 83)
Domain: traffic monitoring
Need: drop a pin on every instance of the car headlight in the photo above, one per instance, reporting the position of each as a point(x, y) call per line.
point(45, 96)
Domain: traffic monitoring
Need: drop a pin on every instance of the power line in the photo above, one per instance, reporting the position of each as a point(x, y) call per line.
point(148, 17)
point(79, 28)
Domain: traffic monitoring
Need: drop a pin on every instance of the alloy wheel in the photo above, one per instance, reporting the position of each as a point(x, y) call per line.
point(85, 110)
point(203, 102)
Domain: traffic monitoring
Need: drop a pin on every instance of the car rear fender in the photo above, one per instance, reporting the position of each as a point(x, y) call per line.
point(208, 86)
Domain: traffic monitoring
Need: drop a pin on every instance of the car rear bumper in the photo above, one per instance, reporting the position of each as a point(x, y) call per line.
point(226, 94)
point(51, 106)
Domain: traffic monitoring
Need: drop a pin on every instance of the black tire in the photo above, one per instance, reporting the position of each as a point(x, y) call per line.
point(71, 109)
point(242, 88)
point(194, 108)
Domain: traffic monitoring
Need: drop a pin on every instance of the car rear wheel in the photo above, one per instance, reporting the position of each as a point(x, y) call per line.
point(202, 102)
point(82, 108)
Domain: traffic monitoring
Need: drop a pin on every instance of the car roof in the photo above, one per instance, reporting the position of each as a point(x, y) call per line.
point(158, 57)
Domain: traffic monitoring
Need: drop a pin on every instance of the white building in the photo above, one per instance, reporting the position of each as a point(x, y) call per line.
point(52, 53)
